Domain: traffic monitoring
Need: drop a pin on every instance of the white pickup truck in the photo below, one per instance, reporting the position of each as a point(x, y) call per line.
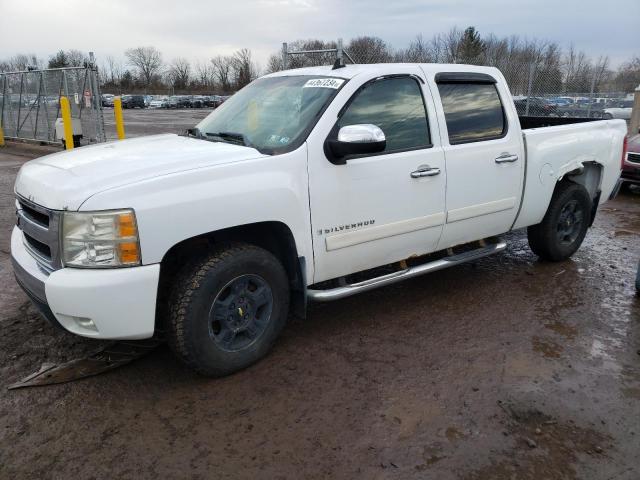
point(310, 184)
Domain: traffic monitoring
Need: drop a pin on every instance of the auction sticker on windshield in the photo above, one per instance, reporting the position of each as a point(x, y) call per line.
point(324, 83)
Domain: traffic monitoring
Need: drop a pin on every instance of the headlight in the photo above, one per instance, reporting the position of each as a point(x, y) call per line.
point(100, 239)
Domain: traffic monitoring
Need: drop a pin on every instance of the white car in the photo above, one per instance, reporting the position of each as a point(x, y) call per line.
point(297, 189)
point(159, 102)
point(621, 111)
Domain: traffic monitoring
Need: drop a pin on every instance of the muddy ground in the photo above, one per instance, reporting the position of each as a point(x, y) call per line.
point(507, 368)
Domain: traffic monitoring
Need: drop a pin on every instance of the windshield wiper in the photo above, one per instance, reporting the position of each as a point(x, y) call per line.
point(231, 136)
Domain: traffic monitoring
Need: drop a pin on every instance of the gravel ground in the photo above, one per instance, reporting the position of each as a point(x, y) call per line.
point(506, 368)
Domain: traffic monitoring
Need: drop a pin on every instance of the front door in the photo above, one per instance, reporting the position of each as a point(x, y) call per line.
point(372, 211)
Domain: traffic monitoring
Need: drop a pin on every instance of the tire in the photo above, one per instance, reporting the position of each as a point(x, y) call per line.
point(227, 309)
point(565, 224)
point(607, 116)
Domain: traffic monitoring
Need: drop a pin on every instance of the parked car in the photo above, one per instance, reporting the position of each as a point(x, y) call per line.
point(538, 107)
point(310, 185)
point(107, 99)
point(196, 101)
point(621, 109)
point(133, 101)
point(183, 101)
point(581, 109)
point(159, 102)
point(631, 165)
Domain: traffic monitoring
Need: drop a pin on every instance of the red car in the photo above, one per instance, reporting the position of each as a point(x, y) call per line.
point(631, 165)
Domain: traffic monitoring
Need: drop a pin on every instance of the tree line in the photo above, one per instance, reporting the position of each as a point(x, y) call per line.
point(532, 65)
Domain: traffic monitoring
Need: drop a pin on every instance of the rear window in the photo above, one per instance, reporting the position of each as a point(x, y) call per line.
point(473, 111)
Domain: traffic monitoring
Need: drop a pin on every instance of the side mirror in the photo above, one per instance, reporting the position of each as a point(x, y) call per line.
point(356, 140)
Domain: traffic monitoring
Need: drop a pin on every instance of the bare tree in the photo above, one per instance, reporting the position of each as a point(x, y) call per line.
point(205, 76)
point(76, 58)
point(111, 71)
point(148, 62)
point(627, 77)
point(244, 70)
point(180, 72)
point(418, 51)
point(222, 70)
point(23, 61)
point(369, 50)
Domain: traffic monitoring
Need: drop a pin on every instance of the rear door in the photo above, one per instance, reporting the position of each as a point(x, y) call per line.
point(372, 211)
point(484, 156)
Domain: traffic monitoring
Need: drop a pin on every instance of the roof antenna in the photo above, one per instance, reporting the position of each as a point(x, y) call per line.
point(339, 63)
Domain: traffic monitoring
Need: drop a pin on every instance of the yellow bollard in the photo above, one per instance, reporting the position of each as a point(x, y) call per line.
point(65, 109)
point(117, 112)
point(1, 137)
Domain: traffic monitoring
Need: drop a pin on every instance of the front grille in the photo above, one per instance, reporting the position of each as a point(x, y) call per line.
point(41, 231)
point(633, 157)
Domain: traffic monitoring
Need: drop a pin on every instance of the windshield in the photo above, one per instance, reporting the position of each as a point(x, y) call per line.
point(272, 115)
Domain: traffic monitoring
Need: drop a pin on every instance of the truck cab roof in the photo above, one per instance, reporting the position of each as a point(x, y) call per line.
point(350, 71)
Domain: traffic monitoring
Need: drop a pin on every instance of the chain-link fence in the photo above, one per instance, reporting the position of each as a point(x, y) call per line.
point(539, 86)
point(30, 103)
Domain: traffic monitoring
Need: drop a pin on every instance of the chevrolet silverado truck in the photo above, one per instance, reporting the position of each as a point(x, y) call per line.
point(307, 185)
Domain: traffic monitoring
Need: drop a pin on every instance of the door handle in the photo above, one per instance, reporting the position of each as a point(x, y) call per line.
point(425, 171)
point(506, 158)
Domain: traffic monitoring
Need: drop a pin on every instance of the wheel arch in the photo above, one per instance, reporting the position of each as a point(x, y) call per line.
point(274, 236)
point(589, 175)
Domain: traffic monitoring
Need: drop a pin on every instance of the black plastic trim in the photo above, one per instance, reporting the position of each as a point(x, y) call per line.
point(464, 77)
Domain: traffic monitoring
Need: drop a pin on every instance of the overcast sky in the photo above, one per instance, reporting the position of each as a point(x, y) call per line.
point(200, 29)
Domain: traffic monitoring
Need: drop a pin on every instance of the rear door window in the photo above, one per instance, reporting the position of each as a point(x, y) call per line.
point(473, 112)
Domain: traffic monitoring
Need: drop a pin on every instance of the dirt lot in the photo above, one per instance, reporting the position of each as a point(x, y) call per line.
point(508, 368)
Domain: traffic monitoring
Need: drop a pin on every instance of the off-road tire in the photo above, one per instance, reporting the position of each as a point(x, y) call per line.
point(543, 238)
point(192, 300)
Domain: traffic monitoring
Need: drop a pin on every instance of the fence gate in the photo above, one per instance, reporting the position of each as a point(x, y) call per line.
point(30, 102)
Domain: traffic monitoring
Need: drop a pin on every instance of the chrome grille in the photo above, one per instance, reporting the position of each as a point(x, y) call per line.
point(41, 232)
point(633, 157)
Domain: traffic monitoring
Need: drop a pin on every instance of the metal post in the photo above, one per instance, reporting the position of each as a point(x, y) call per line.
point(532, 69)
point(19, 105)
point(95, 87)
point(285, 61)
point(35, 128)
point(46, 107)
point(593, 87)
point(339, 53)
point(4, 99)
point(66, 122)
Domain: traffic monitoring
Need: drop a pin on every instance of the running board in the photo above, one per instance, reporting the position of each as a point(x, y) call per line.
point(352, 289)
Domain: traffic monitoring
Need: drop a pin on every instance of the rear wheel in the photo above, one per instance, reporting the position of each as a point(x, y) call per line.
point(565, 224)
point(228, 309)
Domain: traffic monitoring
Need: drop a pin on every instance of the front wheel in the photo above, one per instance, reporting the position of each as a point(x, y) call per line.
point(227, 309)
point(565, 224)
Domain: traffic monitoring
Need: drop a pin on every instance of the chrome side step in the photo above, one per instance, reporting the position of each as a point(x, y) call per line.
point(352, 289)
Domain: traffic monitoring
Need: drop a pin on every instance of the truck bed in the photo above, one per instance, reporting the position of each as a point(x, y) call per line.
point(556, 146)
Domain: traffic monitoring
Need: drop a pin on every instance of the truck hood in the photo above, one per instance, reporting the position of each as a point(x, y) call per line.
point(64, 180)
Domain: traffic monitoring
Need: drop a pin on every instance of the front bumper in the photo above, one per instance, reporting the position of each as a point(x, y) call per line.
point(118, 303)
point(631, 173)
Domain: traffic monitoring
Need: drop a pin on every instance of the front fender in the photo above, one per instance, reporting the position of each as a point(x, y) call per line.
point(175, 207)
